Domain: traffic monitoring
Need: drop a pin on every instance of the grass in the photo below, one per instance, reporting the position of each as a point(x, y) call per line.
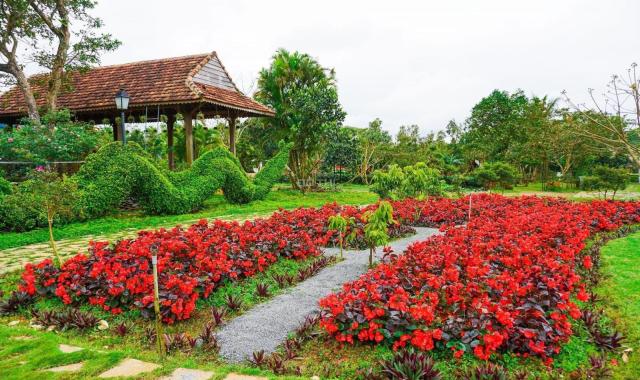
point(29, 359)
point(568, 192)
point(620, 290)
point(215, 207)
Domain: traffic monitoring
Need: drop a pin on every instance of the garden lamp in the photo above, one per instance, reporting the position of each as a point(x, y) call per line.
point(122, 103)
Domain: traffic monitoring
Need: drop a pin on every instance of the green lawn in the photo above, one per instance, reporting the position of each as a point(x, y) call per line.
point(631, 192)
point(621, 293)
point(215, 207)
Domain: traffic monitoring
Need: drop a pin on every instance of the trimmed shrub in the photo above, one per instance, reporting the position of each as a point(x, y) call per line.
point(417, 181)
point(496, 174)
point(605, 179)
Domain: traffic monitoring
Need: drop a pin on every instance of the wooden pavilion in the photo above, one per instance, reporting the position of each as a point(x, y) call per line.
point(190, 85)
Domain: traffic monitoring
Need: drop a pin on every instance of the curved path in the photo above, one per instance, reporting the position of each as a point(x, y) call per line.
point(267, 325)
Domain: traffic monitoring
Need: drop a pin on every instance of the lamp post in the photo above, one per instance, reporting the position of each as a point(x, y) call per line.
point(122, 103)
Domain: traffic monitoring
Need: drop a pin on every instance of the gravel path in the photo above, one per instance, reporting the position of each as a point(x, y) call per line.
point(267, 325)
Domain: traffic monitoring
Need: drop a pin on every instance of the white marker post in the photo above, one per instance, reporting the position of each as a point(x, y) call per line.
point(156, 305)
point(469, 218)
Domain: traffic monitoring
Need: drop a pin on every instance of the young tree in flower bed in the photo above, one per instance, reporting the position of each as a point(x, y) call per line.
point(503, 284)
point(339, 224)
point(315, 221)
point(376, 231)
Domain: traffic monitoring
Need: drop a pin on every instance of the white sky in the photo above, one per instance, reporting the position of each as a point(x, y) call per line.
point(407, 62)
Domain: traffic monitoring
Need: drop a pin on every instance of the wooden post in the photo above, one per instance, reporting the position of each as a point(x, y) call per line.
point(232, 135)
point(116, 130)
point(171, 120)
point(188, 136)
point(156, 305)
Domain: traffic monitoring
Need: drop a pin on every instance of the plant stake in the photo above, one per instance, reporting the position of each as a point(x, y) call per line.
point(156, 304)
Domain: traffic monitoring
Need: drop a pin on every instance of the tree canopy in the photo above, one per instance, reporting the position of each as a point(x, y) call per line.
point(305, 97)
point(57, 35)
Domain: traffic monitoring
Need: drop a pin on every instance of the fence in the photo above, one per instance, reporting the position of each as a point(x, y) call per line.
point(17, 170)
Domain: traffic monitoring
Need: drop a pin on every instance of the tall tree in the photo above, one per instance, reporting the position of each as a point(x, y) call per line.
point(453, 130)
point(538, 136)
point(373, 140)
point(342, 150)
point(495, 126)
point(58, 35)
point(17, 24)
point(616, 115)
point(567, 149)
point(58, 17)
point(305, 98)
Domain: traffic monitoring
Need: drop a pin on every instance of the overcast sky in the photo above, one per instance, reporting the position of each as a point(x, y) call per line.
point(406, 62)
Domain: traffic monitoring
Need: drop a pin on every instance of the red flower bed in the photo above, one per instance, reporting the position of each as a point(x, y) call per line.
point(504, 282)
point(192, 262)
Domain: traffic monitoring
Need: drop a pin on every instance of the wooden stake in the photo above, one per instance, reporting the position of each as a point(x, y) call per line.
point(188, 136)
point(469, 218)
point(156, 306)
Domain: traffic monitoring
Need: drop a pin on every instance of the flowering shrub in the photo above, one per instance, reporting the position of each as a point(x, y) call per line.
point(505, 282)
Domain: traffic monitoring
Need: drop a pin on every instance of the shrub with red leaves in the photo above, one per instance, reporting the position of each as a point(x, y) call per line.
point(504, 282)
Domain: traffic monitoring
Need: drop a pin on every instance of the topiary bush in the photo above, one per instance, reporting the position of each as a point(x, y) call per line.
point(116, 173)
point(119, 172)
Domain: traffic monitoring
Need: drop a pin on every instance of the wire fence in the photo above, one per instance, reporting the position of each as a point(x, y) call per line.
point(16, 171)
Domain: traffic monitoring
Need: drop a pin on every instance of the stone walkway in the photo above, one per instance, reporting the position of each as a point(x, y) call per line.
point(267, 325)
point(15, 258)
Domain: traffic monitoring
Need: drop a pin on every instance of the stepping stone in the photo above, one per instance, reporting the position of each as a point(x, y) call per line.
point(188, 374)
point(235, 376)
point(22, 337)
point(13, 323)
point(129, 367)
point(69, 349)
point(75, 367)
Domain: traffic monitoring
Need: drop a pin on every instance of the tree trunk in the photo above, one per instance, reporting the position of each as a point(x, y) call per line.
point(57, 70)
point(52, 241)
point(232, 135)
point(32, 108)
point(60, 60)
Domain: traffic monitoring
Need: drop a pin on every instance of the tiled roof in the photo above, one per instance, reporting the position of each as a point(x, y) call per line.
point(162, 81)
